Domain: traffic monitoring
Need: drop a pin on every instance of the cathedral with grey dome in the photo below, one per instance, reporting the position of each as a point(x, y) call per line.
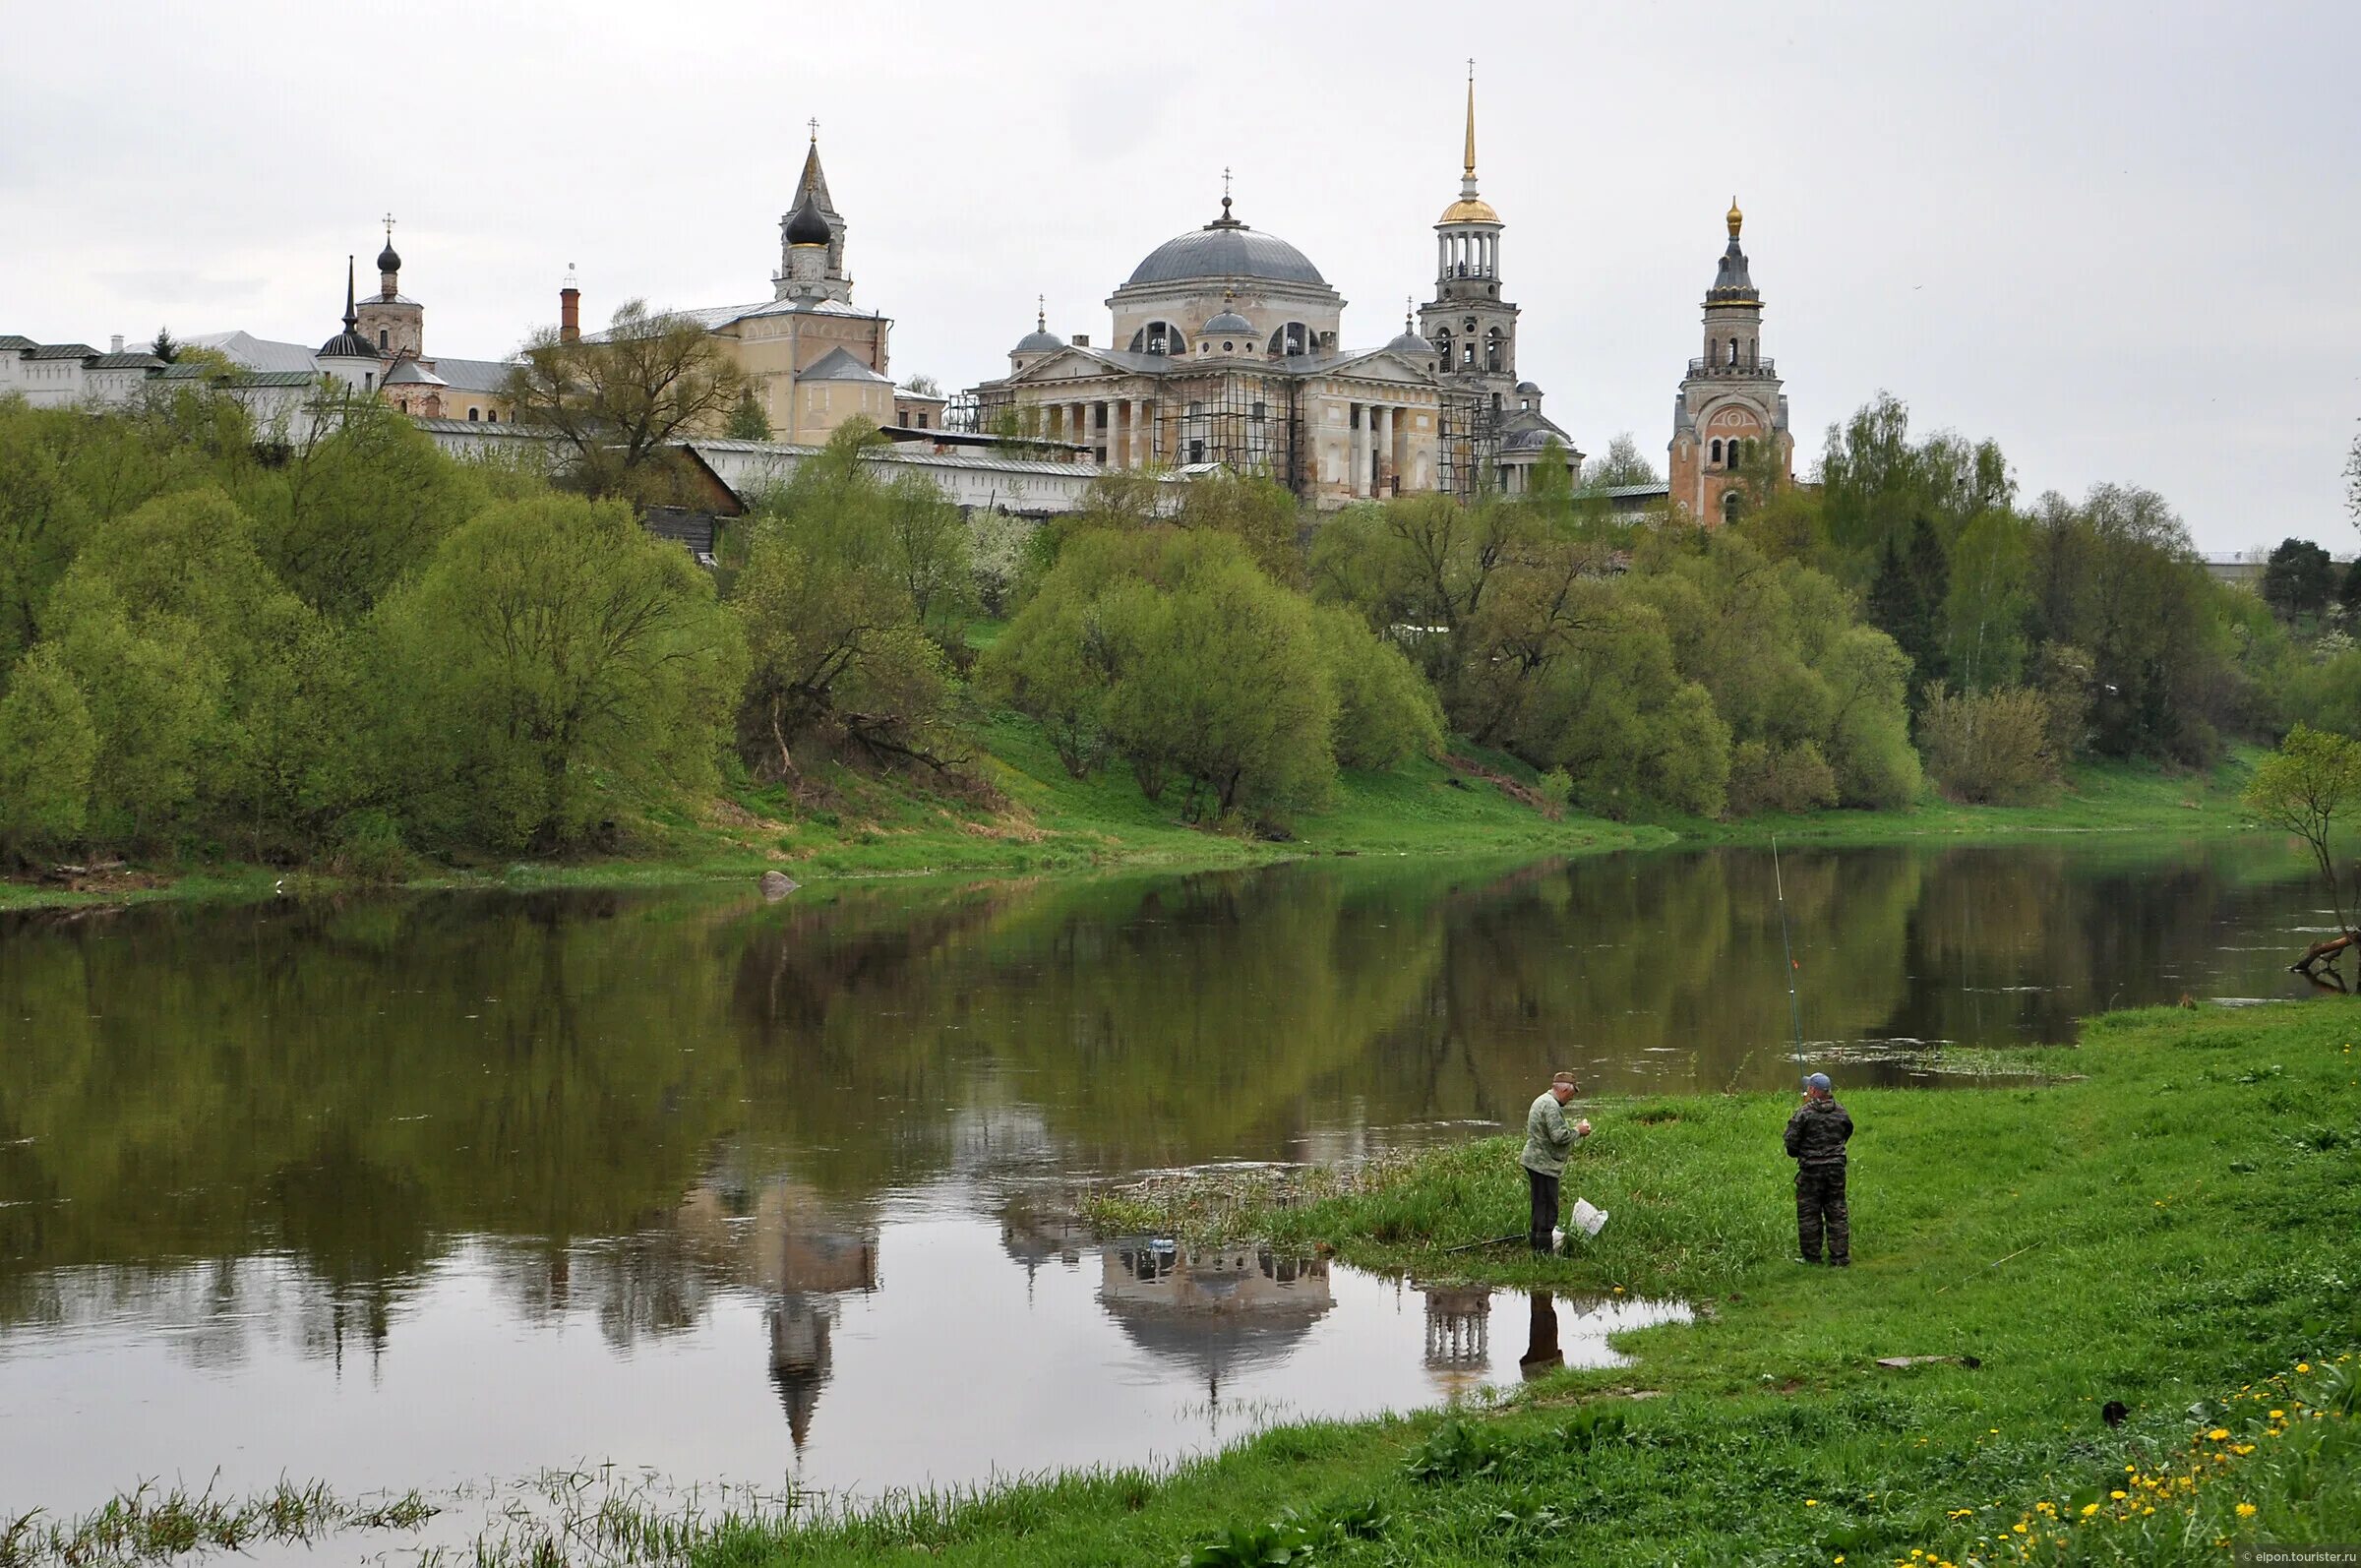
point(1227, 349)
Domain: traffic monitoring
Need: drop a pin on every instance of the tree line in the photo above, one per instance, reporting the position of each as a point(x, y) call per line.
point(354, 648)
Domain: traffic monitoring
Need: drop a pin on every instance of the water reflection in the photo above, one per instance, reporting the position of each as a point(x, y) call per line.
point(242, 1146)
point(1541, 1353)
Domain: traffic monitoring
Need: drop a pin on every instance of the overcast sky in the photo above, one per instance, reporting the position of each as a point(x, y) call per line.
point(2123, 239)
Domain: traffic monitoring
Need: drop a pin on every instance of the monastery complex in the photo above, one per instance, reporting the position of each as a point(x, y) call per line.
point(1225, 348)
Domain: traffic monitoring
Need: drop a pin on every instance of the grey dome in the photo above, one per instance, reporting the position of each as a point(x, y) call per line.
point(1410, 343)
point(1228, 321)
point(807, 226)
point(348, 344)
point(1038, 342)
point(1226, 248)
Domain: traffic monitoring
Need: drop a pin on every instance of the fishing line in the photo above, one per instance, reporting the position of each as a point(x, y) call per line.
point(1795, 1008)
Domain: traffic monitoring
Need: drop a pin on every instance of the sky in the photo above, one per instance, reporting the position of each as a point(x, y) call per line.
point(2120, 239)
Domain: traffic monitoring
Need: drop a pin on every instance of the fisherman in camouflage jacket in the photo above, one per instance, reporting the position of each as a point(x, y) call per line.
point(1816, 1135)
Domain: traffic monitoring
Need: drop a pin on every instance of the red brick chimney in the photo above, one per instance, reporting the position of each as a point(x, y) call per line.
point(569, 309)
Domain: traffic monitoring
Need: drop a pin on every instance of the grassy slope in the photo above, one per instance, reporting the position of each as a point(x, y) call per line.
point(2176, 1223)
point(2099, 797)
point(895, 826)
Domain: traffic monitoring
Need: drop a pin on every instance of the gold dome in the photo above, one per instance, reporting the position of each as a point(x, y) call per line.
point(1735, 218)
point(1469, 210)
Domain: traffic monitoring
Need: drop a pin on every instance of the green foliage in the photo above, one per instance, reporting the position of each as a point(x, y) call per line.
point(1258, 512)
point(553, 655)
point(1385, 710)
point(1622, 464)
point(47, 749)
point(847, 581)
point(2305, 788)
point(358, 507)
point(2299, 579)
point(748, 421)
point(618, 398)
point(1172, 649)
point(1991, 748)
point(1789, 778)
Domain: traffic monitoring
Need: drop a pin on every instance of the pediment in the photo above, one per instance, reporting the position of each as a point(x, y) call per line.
point(1067, 364)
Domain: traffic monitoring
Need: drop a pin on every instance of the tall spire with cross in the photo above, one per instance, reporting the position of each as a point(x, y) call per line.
point(1468, 163)
point(812, 186)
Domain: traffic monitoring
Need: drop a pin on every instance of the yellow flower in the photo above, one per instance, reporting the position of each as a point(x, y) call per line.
point(2303, 1366)
point(2018, 1527)
point(2278, 1414)
point(1811, 1502)
point(2117, 1495)
point(2089, 1509)
point(2246, 1510)
point(1839, 1556)
point(2217, 1434)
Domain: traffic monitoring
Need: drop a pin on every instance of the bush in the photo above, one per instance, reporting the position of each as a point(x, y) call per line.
point(1990, 749)
point(1789, 778)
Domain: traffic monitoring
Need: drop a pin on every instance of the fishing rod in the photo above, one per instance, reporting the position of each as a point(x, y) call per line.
point(1794, 1007)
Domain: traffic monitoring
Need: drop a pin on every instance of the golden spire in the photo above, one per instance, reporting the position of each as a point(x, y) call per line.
point(1468, 166)
point(1735, 218)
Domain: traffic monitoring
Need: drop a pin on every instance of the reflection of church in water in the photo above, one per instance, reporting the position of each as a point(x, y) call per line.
point(1219, 1311)
point(804, 1256)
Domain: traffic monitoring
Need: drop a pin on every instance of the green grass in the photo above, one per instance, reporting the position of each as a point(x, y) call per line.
point(2127, 797)
point(2174, 1224)
point(900, 824)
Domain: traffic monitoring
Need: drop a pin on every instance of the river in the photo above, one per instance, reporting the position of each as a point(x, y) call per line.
point(447, 1190)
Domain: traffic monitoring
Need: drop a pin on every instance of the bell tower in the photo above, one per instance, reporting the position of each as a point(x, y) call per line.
point(1729, 415)
point(1474, 329)
point(812, 192)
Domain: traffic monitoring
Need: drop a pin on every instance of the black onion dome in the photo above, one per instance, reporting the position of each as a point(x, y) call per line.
point(807, 226)
point(388, 260)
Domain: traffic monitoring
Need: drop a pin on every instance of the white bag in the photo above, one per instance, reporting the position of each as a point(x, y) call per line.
point(1591, 1221)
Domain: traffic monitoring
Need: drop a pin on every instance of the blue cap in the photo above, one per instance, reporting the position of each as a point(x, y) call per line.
point(1818, 1080)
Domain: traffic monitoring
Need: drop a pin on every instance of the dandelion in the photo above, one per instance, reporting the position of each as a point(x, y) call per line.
point(2278, 1414)
point(2303, 1366)
point(2089, 1509)
point(2118, 1494)
point(2246, 1510)
point(2018, 1527)
point(2217, 1434)
point(1811, 1502)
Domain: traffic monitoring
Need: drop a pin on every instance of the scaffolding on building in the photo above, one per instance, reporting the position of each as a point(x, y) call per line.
point(1468, 449)
point(1246, 420)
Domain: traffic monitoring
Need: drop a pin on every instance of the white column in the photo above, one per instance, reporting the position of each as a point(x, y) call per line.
point(1358, 415)
point(1385, 450)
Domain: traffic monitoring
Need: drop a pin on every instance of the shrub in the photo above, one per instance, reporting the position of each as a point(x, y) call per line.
point(1786, 778)
point(1990, 748)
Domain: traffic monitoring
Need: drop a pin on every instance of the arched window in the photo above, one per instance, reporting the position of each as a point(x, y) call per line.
point(1715, 458)
point(1492, 344)
point(1467, 354)
point(381, 338)
point(1442, 347)
point(1732, 501)
point(1734, 350)
point(493, 418)
point(474, 413)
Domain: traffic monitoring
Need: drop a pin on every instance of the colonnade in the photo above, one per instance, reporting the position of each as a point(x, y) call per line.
point(1124, 428)
point(1467, 253)
point(1378, 458)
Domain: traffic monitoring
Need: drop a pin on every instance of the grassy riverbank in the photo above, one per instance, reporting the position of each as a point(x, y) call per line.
point(2174, 1224)
point(1034, 819)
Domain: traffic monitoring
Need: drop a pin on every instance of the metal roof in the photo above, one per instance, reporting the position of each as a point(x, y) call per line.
point(131, 360)
point(10, 342)
point(274, 377)
point(473, 375)
point(986, 461)
point(1626, 492)
point(257, 353)
point(63, 351)
point(1226, 250)
point(839, 364)
point(409, 373)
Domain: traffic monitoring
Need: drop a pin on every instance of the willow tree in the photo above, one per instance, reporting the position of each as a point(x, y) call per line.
point(620, 399)
point(2304, 788)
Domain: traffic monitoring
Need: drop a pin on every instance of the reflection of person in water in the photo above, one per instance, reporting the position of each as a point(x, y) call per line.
point(1542, 1355)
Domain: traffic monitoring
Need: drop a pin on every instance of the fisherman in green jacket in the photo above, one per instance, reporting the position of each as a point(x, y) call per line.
point(1549, 1137)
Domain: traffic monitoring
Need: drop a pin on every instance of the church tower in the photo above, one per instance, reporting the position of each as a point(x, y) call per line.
point(1729, 411)
point(1474, 329)
point(394, 325)
point(812, 191)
